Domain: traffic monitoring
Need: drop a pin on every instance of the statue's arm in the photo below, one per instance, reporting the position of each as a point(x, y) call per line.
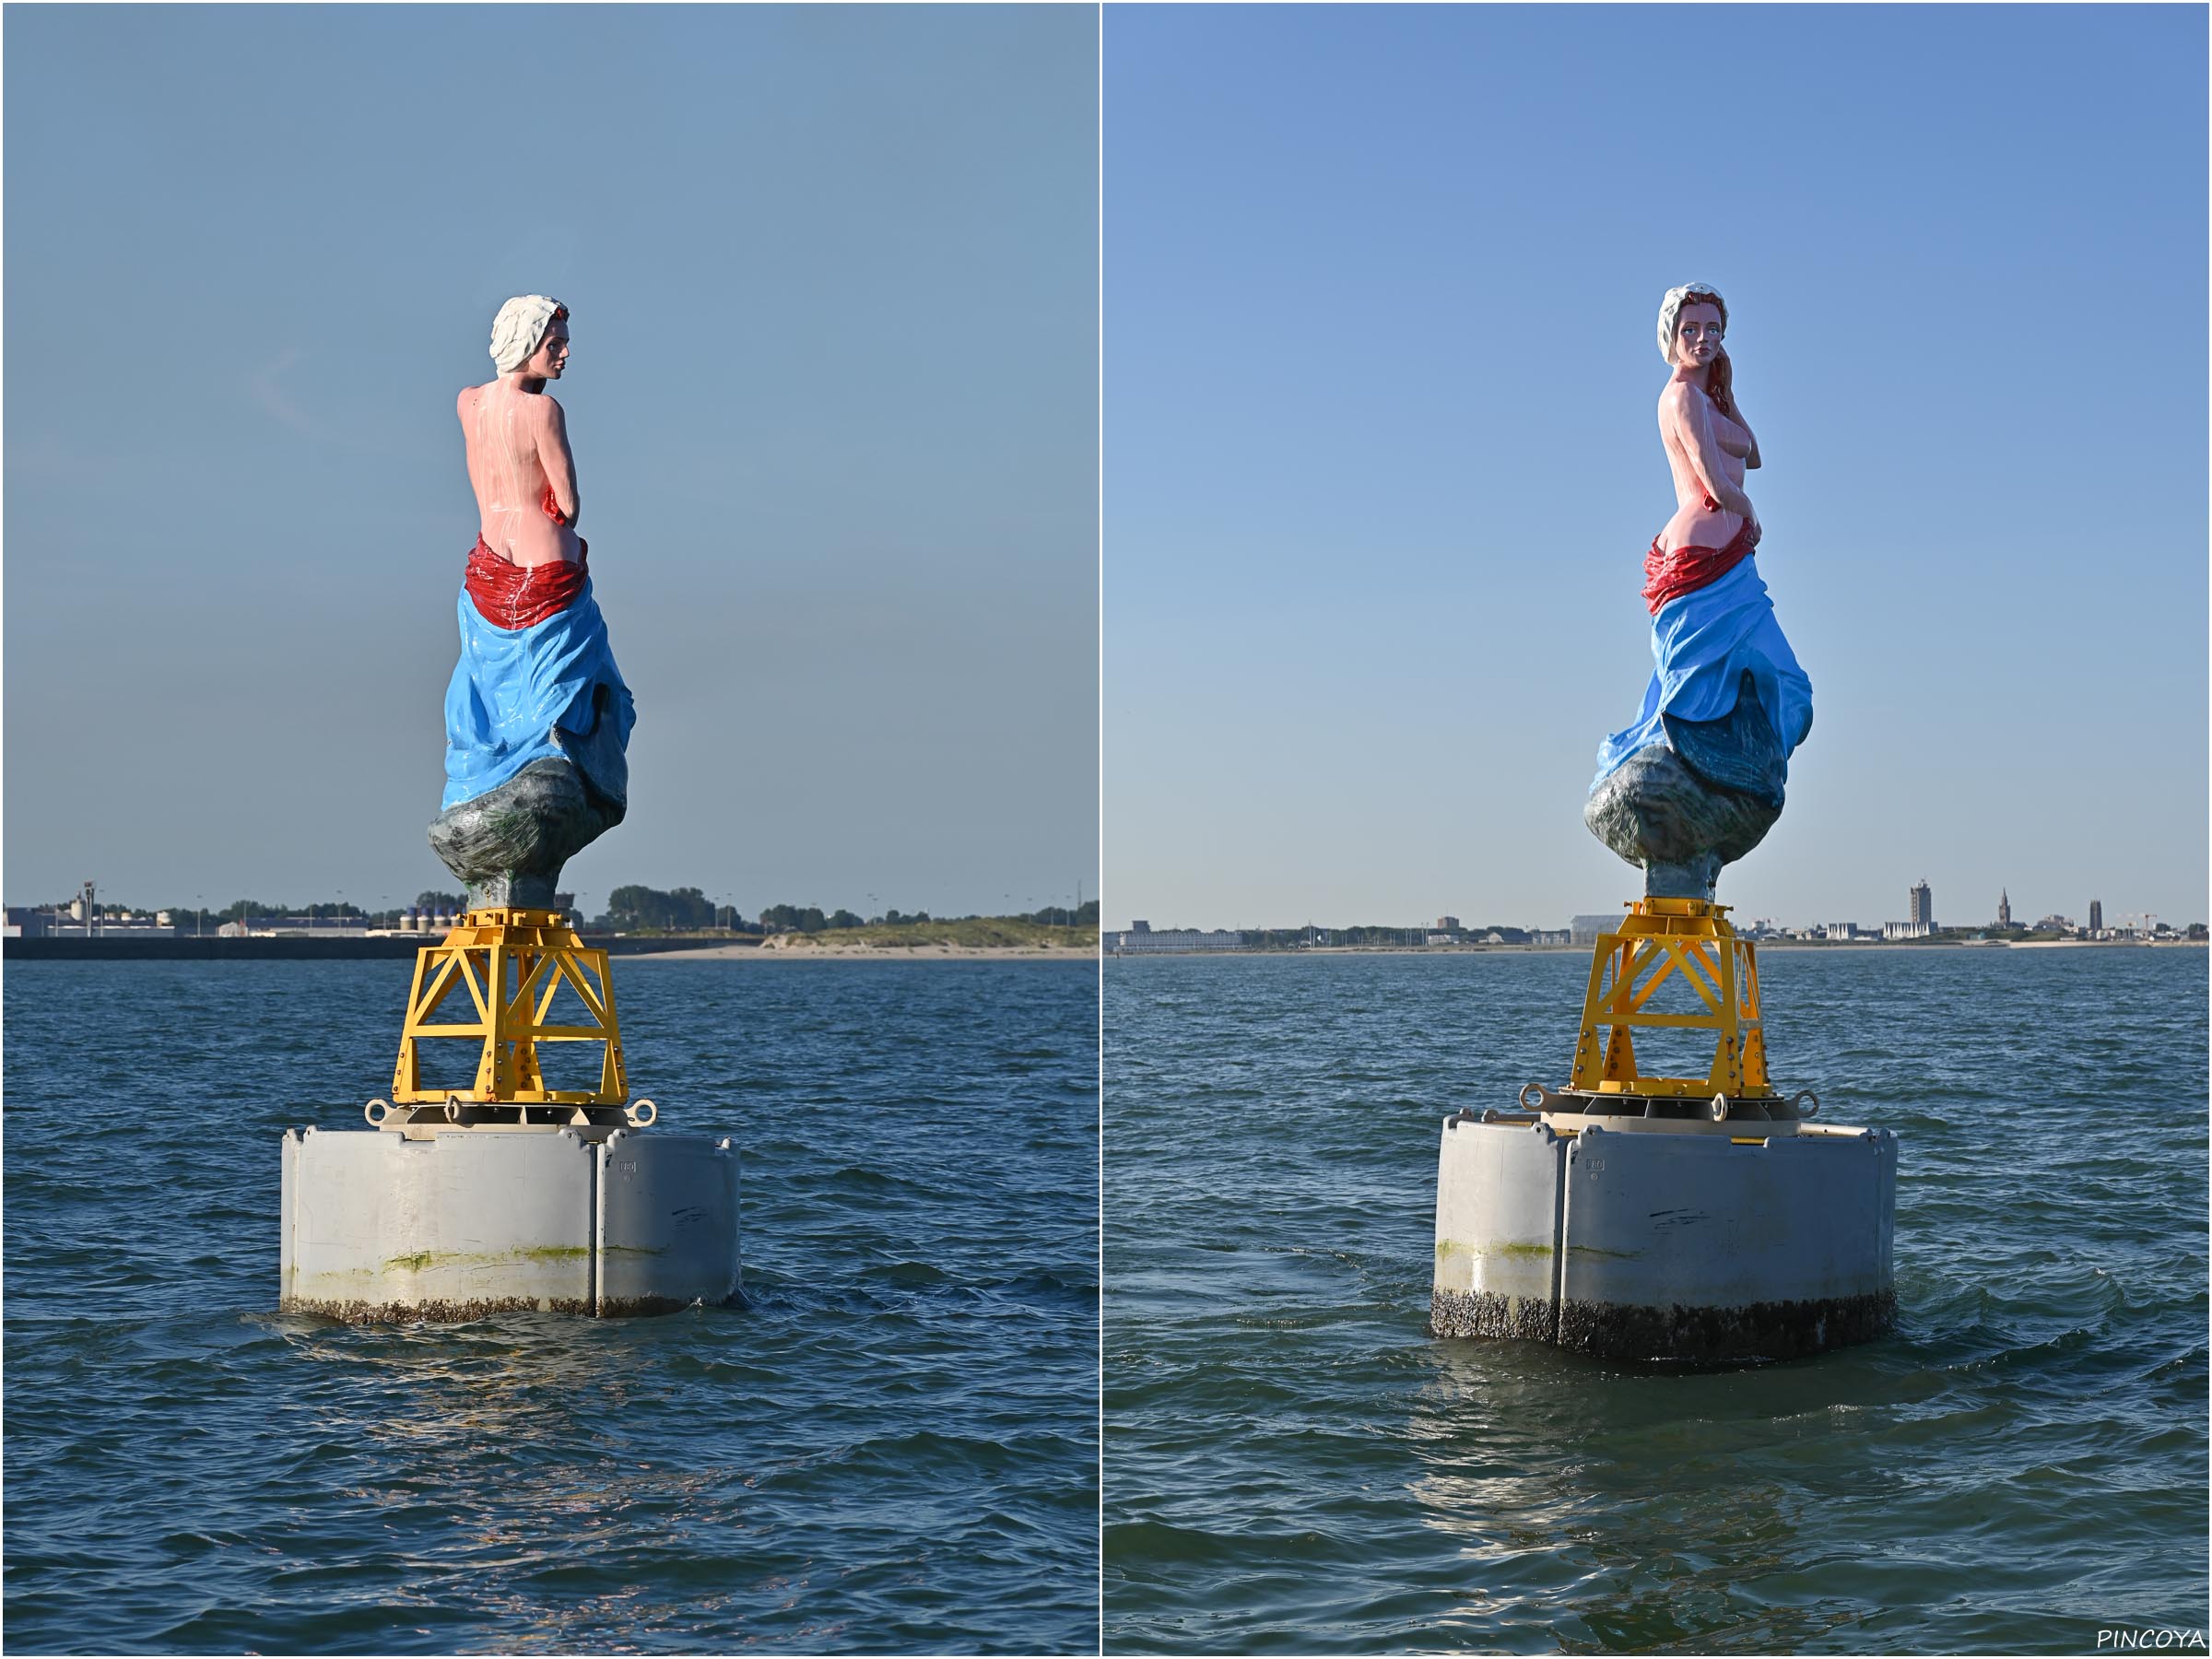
point(1692, 423)
point(554, 455)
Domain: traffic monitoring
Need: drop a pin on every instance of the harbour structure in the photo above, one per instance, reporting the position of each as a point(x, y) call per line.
point(1142, 936)
point(82, 918)
point(1632, 1214)
point(294, 927)
point(59, 922)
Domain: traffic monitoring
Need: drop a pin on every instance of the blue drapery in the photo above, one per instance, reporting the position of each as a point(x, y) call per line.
point(535, 693)
point(1703, 644)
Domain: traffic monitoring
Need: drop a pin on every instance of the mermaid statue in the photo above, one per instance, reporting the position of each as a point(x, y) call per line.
point(537, 719)
point(1698, 780)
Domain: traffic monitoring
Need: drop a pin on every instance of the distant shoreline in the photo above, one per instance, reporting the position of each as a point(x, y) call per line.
point(631, 947)
point(1584, 950)
point(662, 949)
point(882, 953)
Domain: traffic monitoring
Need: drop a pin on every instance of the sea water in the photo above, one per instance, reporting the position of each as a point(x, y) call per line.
point(1294, 1465)
point(890, 1447)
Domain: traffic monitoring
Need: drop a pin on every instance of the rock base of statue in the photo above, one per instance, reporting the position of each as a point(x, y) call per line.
point(1682, 809)
point(509, 844)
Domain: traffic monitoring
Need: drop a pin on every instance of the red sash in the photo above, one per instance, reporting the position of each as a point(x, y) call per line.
point(1670, 575)
point(516, 596)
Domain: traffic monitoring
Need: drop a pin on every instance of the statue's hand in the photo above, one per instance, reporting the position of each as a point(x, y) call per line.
point(552, 508)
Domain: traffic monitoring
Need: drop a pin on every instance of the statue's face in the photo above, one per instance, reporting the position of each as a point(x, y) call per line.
point(545, 363)
point(1697, 335)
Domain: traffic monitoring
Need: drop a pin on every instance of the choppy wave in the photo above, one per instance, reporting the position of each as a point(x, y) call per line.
point(890, 1446)
point(1292, 1465)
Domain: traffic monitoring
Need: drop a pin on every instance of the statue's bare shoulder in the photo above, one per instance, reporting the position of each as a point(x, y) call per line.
point(1680, 400)
point(472, 399)
point(470, 396)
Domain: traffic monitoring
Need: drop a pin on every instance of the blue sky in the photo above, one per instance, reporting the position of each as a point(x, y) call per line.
point(1382, 462)
point(833, 397)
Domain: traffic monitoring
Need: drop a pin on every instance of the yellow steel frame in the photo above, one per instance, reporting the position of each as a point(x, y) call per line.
point(1659, 938)
point(511, 963)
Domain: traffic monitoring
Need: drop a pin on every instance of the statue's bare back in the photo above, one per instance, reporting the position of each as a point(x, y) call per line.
point(518, 459)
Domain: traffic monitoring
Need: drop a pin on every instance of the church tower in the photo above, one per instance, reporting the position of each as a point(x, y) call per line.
point(2003, 908)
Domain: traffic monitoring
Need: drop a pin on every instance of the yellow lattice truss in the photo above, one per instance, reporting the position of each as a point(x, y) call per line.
point(511, 963)
point(1658, 940)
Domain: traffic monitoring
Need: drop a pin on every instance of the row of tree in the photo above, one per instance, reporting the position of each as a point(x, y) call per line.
point(1085, 915)
point(635, 907)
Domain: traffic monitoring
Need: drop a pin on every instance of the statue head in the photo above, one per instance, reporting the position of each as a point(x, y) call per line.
point(521, 328)
point(1671, 309)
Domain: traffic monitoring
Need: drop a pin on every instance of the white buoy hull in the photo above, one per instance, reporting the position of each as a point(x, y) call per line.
point(378, 1226)
point(1673, 1244)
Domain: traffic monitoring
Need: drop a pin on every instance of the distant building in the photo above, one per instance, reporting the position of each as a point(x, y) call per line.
point(1920, 905)
point(2096, 916)
point(2003, 908)
point(273, 926)
point(1143, 936)
point(1583, 930)
point(1449, 924)
point(1920, 914)
point(1550, 935)
point(67, 922)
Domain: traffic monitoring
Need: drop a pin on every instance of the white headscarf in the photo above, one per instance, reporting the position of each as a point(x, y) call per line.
point(1670, 312)
point(520, 328)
